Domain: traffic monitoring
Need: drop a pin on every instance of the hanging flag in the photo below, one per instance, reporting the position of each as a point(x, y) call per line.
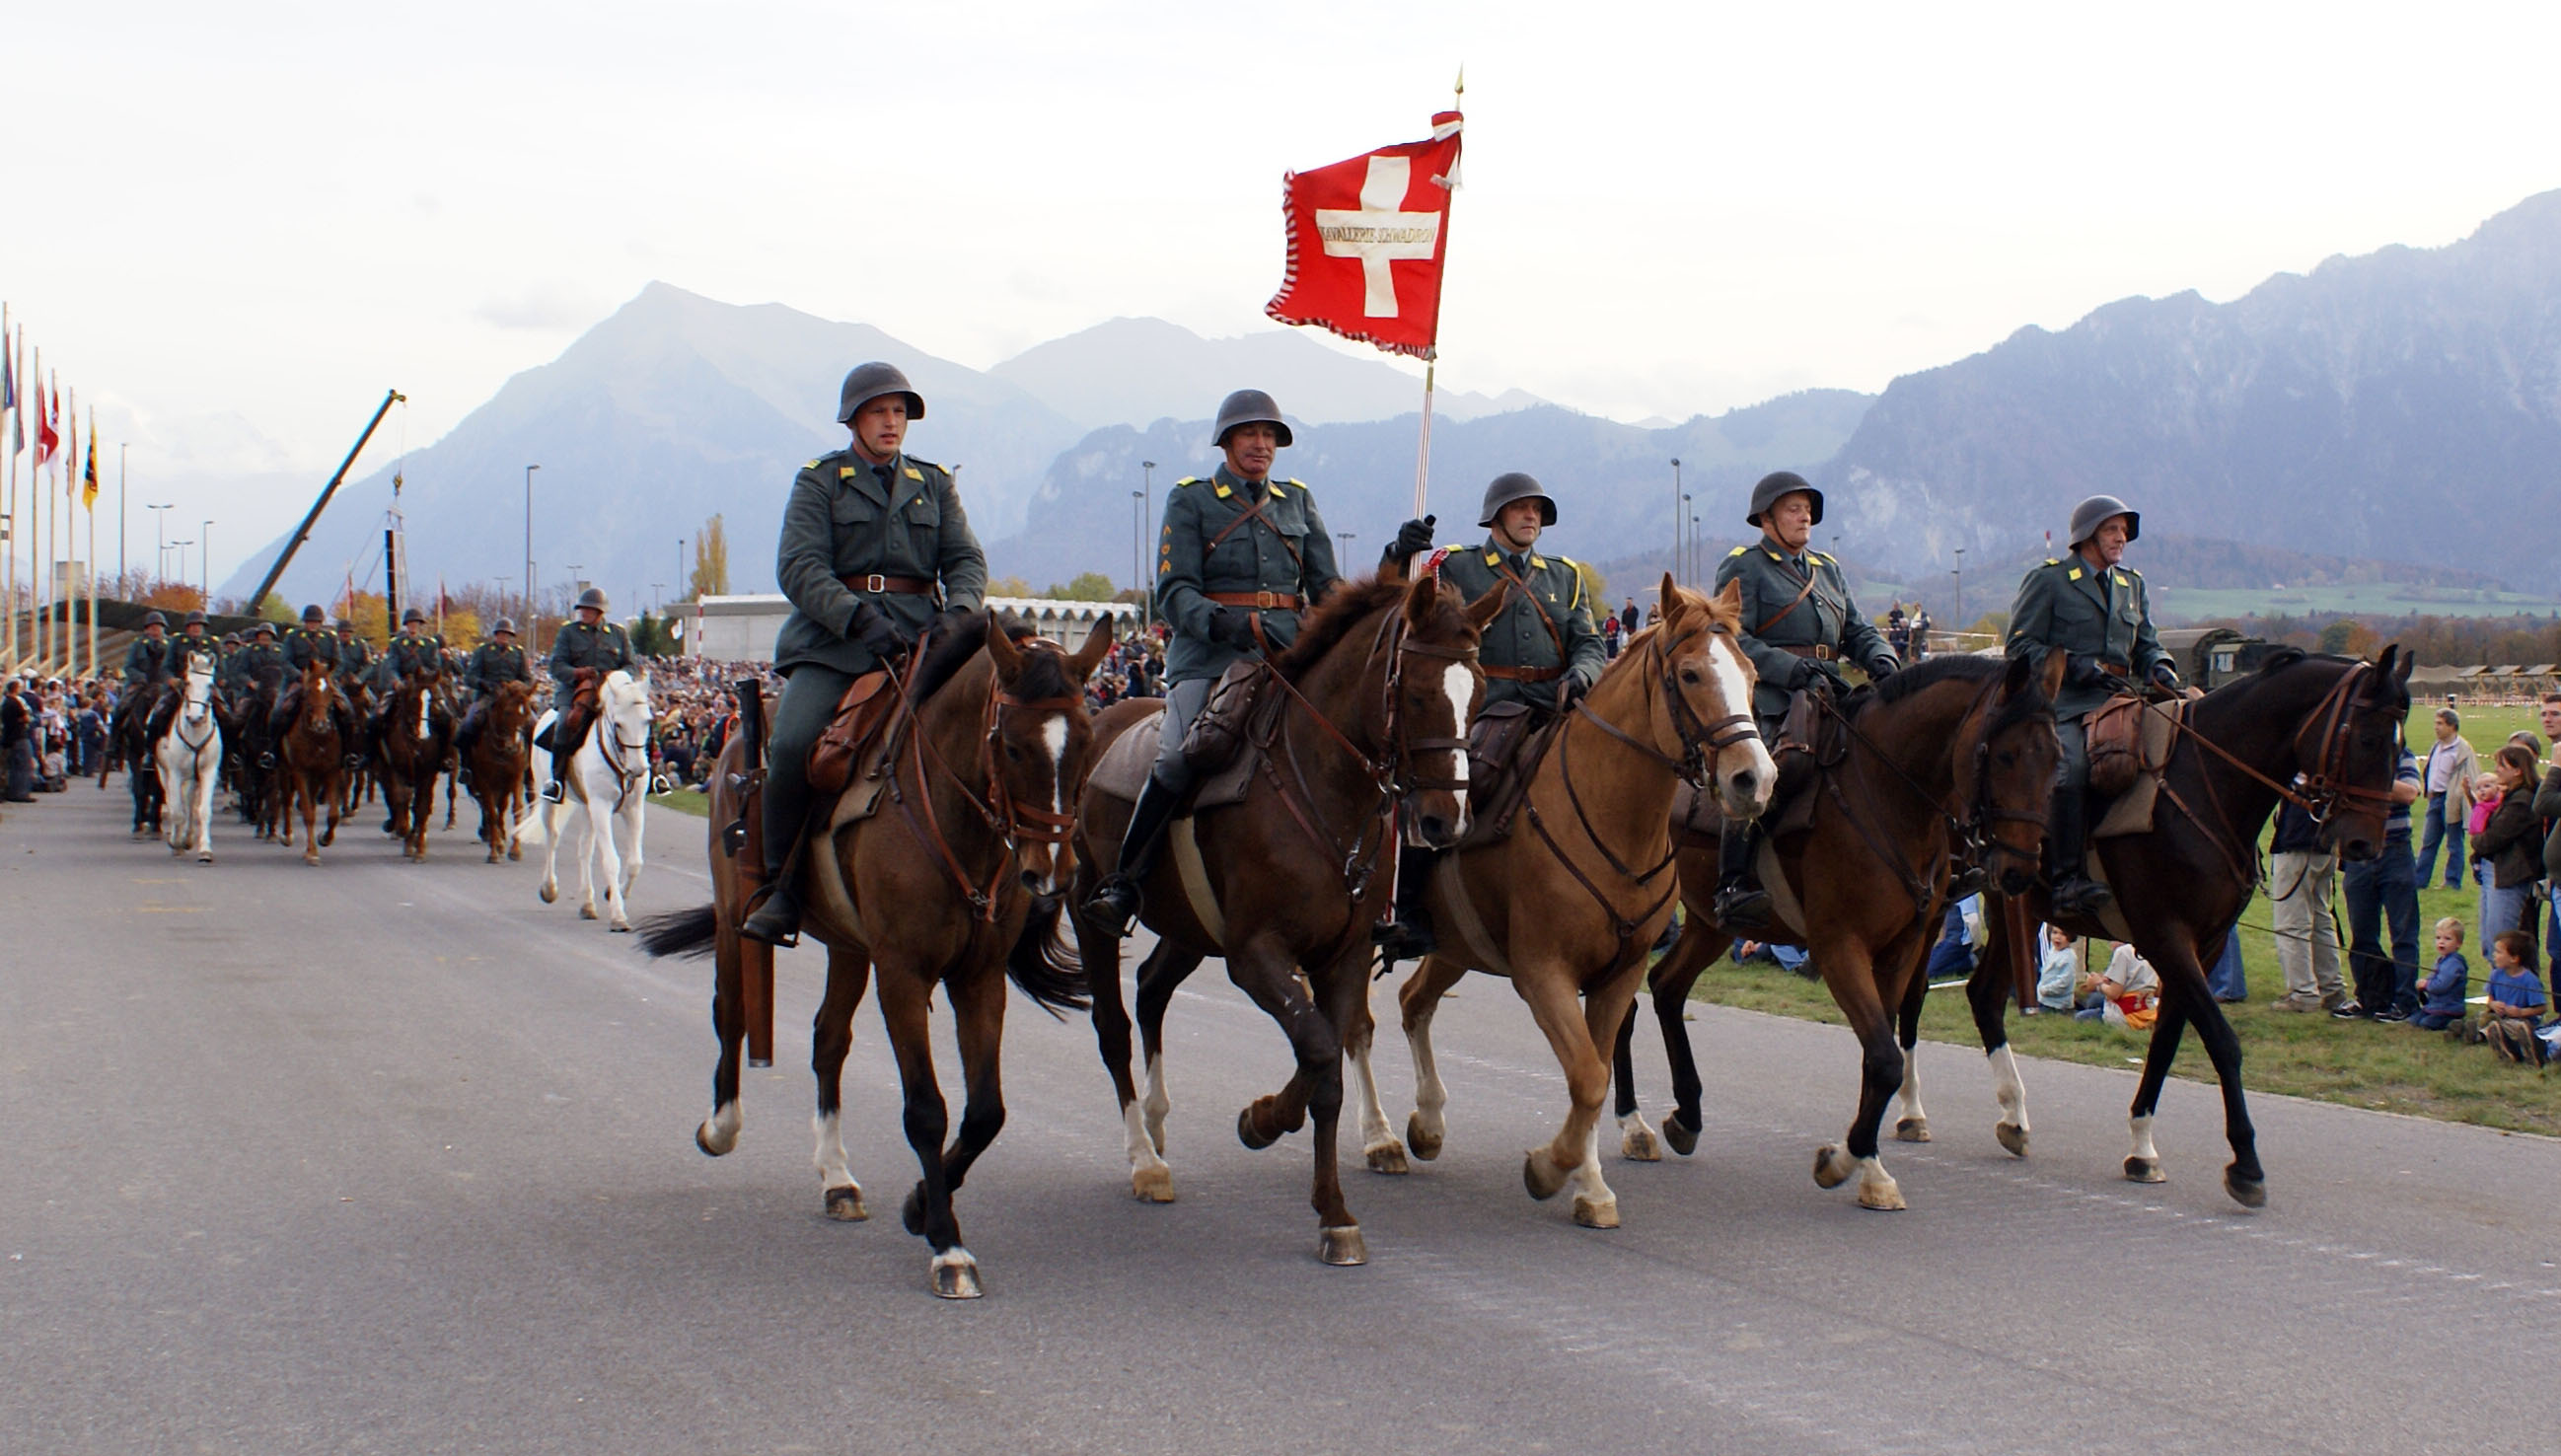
point(89, 476)
point(48, 438)
point(1366, 240)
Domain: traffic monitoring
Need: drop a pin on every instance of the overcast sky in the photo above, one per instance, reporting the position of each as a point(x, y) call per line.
point(235, 226)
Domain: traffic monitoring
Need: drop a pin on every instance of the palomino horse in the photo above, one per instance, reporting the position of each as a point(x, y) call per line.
point(189, 756)
point(1376, 691)
point(499, 760)
point(2180, 885)
point(416, 739)
point(1956, 753)
point(607, 788)
point(954, 881)
point(1568, 905)
point(311, 763)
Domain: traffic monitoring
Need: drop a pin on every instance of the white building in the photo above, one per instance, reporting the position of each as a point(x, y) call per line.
point(742, 628)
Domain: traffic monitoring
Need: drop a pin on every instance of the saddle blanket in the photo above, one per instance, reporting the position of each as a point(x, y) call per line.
point(1133, 755)
point(2132, 811)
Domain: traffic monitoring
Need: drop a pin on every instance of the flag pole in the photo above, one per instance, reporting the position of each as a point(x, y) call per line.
point(9, 519)
point(1431, 361)
point(89, 504)
point(44, 583)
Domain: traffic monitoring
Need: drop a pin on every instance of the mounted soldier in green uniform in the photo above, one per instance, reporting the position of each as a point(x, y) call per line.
point(354, 656)
point(2092, 607)
point(305, 645)
point(151, 656)
point(261, 652)
point(592, 643)
point(1542, 652)
point(498, 660)
point(1239, 557)
point(874, 547)
point(1799, 625)
point(412, 651)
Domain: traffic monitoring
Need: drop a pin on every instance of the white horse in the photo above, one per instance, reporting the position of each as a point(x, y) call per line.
point(190, 756)
point(607, 787)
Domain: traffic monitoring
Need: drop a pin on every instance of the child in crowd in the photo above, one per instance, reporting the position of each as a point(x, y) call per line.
point(2448, 983)
point(2055, 971)
point(2516, 1001)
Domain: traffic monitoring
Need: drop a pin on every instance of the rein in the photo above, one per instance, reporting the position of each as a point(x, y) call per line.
point(1974, 830)
point(1008, 817)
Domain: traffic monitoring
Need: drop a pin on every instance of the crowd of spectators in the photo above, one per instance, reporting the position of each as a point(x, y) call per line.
point(51, 731)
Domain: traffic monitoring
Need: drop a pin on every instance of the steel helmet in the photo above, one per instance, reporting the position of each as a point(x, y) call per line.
point(262, 629)
point(2093, 513)
point(154, 619)
point(344, 625)
point(1517, 485)
point(313, 614)
point(506, 625)
point(595, 596)
point(196, 618)
point(1779, 483)
point(1248, 406)
point(411, 616)
point(868, 382)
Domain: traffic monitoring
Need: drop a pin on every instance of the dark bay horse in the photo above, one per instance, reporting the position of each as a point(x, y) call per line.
point(1376, 690)
point(416, 741)
point(1568, 905)
point(2182, 884)
point(311, 764)
point(954, 880)
point(1956, 753)
point(130, 739)
point(247, 733)
point(500, 759)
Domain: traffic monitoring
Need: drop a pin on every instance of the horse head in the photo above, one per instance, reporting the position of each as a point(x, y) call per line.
point(1707, 703)
point(2349, 750)
point(319, 698)
point(200, 687)
point(1437, 684)
point(2005, 757)
point(1040, 747)
point(511, 708)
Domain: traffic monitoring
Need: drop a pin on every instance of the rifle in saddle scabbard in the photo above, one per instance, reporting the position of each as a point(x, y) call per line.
point(741, 840)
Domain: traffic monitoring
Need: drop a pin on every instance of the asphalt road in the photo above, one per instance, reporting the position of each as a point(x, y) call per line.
point(381, 1156)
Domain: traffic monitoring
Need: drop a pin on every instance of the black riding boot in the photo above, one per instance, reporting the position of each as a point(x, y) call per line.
point(1409, 935)
point(1743, 908)
point(2075, 893)
point(552, 791)
point(1115, 900)
point(345, 723)
point(777, 920)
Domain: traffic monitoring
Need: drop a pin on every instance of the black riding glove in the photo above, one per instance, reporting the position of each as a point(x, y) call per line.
point(2086, 671)
point(1569, 691)
point(1232, 629)
point(876, 633)
point(2165, 677)
point(1881, 667)
point(1411, 537)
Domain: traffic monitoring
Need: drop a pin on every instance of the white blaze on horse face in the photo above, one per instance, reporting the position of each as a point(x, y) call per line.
point(1746, 790)
point(1457, 685)
point(1054, 734)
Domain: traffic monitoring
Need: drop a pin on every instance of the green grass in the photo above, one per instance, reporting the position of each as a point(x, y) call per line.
point(684, 801)
point(2372, 599)
point(2359, 1063)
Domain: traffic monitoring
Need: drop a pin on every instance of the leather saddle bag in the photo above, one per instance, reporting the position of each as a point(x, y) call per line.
point(2114, 734)
point(1505, 746)
point(1219, 730)
point(860, 715)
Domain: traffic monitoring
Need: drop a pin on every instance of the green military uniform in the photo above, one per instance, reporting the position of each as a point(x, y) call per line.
point(1543, 633)
point(306, 645)
point(408, 653)
point(149, 659)
point(354, 656)
point(1283, 560)
point(1799, 625)
point(247, 664)
point(604, 647)
point(491, 665)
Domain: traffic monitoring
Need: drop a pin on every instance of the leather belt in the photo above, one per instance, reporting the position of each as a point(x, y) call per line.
point(1817, 651)
point(1270, 602)
point(1525, 674)
point(906, 586)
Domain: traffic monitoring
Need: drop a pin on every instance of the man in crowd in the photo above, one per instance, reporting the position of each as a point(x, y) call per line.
point(2385, 889)
point(2448, 783)
point(2300, 874)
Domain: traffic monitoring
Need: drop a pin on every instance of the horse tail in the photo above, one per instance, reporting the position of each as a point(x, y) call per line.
point(691, 934)
point(529, 826)
point(1044, 963)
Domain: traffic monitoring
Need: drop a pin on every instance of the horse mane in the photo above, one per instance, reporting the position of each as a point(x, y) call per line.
point(1044, 673)
point(1333, 620)
point(1962, 666)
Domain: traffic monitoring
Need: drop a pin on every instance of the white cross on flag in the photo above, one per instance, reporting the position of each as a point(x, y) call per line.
point(1366, 240)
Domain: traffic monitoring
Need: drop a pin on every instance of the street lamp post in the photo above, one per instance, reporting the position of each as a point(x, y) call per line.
point(1959, 623)
point(119, 517)
point(528, 550)
point(1147, 512)
point(1689, 562)
point(180, 547)
point(159, 540)
point(1677, 499)
point(205, 565)
point(1139, 541)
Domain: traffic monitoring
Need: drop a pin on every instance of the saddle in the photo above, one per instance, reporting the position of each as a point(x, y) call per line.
point(2140, 741)
point(1227, 723)
point(1505, 745)
point(861, 715)
point(1123, 768)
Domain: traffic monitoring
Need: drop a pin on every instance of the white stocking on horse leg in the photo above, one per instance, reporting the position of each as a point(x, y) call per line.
point(1151, 1178)
point(2013, 1095)
point(2144, 1165)
point(1425, 1129)
point(719, 1132)
point(1913, 1126)
point(1638, 1140)
point(844, 1196)
point(1378, 1141)
point(1594, 1206)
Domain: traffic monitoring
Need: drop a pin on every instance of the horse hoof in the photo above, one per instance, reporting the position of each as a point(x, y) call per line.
point(515, 853)
point(1251, 1135)
point(2144, 1170)
point(311, 858)
point(1541, 1176)
point(845, 1204)
point(1423, 1144)
point(549, 893)
point(2249, 1192)
point(1388, 1157)
point(1883, 1197)
point(1912, 1130)
point(1152, 1185)
point(911, 1212)
point(1638, 1143)
point(620, 927)
point(586, 913)
point(956, 1275)
point(1596, 1213)
point(2012, 1137)
point(1342, 1247)
point(715, 1141)
point(1831, 1165)
point(1682, 1137)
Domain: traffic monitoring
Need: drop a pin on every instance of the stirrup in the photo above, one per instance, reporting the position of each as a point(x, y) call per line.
point(776, 922)
point(1740, 905)
point(553, 793)
point(1403, 940)
point(2077, 896)
point(1114, 906)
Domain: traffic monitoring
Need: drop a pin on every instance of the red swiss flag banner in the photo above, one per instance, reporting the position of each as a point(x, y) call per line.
point(1366, 240)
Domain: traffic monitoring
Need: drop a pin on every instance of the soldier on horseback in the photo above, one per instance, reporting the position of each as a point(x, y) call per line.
point(411, 652)
point(592, 643)
point(2093, 607)
point(149, 659)
point(354, 656)
point(261, 652)
point(303, 646)
point(498, 660)
point(1240, 557)
point(874, 541)
point(1798, 625)
point(1542, 652)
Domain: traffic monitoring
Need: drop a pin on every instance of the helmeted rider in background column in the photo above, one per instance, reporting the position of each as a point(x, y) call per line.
point(151, 656)
point(498, 660)
point(1237, 551)
point(1800, 624)
point(303, 645)
point(2092, 607)
point(874, 541)
point(1541, 650)
point(589, 642)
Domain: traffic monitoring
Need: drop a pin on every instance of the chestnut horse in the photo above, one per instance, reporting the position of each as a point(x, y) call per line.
point(1376, 690)
point(312, 763)
point(1568, 904)
point(2180, 886)
point(1955, 754)
point(416, 740)
point(500, 758)
point(953, 880)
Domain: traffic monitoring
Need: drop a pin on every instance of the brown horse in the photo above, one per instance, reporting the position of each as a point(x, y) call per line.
point(416, 740)
point(1375, 690)
point(1955, 754)
point(313, 764)
point(500, 758)
point(1568, 905)
point(2180, 885)
point(953, 879)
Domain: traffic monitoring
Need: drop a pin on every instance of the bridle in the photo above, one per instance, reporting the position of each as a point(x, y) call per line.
point(2323, 788)
point(1973, 832)
point(1698, 737)
point(617, 751)
point(1011, 819)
